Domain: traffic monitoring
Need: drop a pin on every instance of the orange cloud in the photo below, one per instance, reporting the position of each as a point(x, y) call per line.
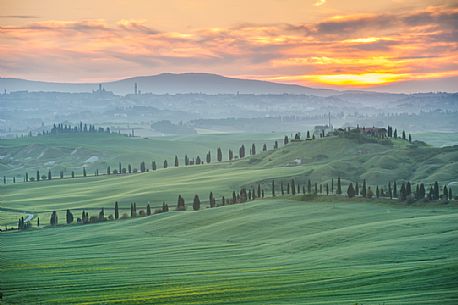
point(342, 51)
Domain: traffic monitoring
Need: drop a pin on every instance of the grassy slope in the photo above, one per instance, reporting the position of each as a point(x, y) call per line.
point(69, 152)
point(272, 251)
point(321, 161)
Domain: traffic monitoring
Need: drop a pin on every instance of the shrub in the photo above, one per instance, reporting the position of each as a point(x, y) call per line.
point(124, 216)
point(142, 213)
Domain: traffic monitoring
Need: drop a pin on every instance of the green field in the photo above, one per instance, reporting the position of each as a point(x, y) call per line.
point(330, 250)
point(319, 160)
point(262, 252)
point(70, 152)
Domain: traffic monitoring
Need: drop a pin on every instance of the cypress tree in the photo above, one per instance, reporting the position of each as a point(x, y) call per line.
point(264, 147)
point(69, 217)
point(176, 161)
point(196, 203)
point(339, 187)
point(253, 149)
point(327, 189)
point(410, 138)
point(38, 175)
point(436, 191)
point(242, 151)
point(445, 192)
point(287, 188)
point(408, 189)
point(377, 192)
point(26, 177)
point(276, 144)
point(73, 174)
point(108, 170)
point(390, 191)
point(165, 164)
point(293, 187)
point(135, 210)
point(316, 188)
point(209, 157)
point(49, 175)
point(84, 172)
point(351, 191)
point(395, 187)
point(142, 167)
point(116, 210)
point(309, 186)
point(450, 194)
point(364, 189)
point(395, 133)
point(231, 155)
point(212, 200)
point(54, 219)
point(219, 154)
point(285, 140)
point(273, 188)
point(148, 210)
point(186, 160)
point(402, 192)
point(259, 190)
point(38, 221)
point(281, 188)
point(332, 185)
point(102, 215)
point(403, 135)
point(356, 189)
point(153, 166)
point(422, 191)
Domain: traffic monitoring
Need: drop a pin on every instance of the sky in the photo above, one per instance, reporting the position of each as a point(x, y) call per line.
point(387, 45)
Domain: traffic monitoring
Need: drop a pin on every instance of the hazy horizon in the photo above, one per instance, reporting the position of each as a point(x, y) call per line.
point(391, 46)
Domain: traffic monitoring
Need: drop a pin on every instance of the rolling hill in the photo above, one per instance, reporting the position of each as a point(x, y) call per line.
point(263, 252)
point(352, 159)
point(170, 83)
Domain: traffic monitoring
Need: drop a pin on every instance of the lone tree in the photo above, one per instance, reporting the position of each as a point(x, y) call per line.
point(351, 191)
point(176, 161)
point(148, 210)
point(116, 210)
point(54, 219)
point(196, 203)
point(69, 217)
point(49, 175)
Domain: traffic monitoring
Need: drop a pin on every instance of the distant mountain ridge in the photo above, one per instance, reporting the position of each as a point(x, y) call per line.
point(170, 83)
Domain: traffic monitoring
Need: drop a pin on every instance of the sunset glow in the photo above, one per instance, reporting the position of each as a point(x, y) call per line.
point(364, 48)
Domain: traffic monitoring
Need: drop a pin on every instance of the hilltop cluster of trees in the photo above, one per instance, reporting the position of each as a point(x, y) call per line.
point(80, 128)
